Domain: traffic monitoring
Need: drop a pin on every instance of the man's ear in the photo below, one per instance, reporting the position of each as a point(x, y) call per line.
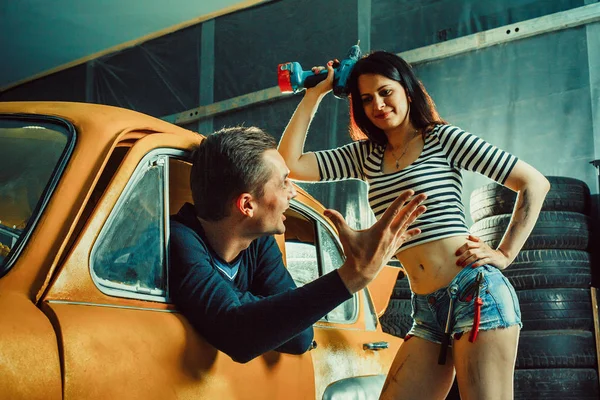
point(245, 204)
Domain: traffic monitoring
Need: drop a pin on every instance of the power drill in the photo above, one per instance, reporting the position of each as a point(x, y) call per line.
point(292, 78)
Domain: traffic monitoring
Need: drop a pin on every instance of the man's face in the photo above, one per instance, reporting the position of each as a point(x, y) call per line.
point(278, 191)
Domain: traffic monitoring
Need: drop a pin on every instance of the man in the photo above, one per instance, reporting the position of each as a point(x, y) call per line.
point(228, 276)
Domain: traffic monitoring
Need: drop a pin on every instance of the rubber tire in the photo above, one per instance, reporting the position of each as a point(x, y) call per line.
point(556, 383)
point(551, 309)
point(541, 269)
point(401, 289)
point(556, 349)
point(553, 230)
point(396, 319)
point(566, 194)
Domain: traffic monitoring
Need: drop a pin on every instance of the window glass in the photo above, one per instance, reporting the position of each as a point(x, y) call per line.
point(311, 251)
point(130, 255)
point(31, 151)
point(301, 261)
point(300, 247)
point(332, 258)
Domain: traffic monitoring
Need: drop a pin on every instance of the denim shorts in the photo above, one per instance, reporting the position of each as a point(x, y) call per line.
point(500, 307)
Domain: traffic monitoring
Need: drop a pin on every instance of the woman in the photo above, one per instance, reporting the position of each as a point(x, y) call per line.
point(402, 143)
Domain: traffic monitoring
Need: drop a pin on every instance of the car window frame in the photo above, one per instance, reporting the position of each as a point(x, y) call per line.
point(50, 188)
point(317, 218)
point(161, 156)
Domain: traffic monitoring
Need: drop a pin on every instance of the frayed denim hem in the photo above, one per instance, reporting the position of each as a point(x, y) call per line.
point(486, 328)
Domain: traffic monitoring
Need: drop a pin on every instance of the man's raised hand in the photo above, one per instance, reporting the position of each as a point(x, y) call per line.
point(367, 251)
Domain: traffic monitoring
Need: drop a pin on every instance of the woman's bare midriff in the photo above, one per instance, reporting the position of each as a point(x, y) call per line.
point(431, 266)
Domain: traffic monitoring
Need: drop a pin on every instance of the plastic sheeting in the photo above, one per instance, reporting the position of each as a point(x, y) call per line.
point(530, 97)
point(537, 97)
point(66, 85)
point(402, 25)
point(251, 43)
point(159, 77)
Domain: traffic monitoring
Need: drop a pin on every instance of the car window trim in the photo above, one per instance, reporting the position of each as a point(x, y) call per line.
point(319, 232)
point(317, 218)
point(158, 156)
point(44, 199)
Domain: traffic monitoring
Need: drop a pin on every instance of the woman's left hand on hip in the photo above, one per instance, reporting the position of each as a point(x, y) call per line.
point(476, 252)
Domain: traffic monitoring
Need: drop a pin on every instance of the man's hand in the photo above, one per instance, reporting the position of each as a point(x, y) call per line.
point(367, 251)
point(478, 253)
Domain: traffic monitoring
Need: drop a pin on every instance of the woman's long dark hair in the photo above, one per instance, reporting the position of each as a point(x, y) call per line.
point(423, 113)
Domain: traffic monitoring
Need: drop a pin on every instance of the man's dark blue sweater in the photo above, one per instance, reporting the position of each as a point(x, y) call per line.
point(251, 305)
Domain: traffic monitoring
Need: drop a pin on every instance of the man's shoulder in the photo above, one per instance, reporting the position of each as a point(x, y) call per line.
point(263, 251)
point(184, 234)
point(185, 216)
point(185, 222)
point(180, 230)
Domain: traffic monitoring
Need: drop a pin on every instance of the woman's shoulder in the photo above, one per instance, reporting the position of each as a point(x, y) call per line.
point(363, 142)
point(442, 129)
point(369, 144)
point(365, 145)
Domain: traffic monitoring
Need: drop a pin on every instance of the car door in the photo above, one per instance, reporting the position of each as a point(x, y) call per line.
point(349, 340)
point(120, 337)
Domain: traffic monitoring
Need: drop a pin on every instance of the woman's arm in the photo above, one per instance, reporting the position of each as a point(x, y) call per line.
point(531, 187)
point(303, 166)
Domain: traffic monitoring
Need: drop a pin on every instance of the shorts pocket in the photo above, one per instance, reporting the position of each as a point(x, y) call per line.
point(513, 294)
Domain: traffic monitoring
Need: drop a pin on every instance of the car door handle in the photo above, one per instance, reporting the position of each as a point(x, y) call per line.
point(376, 346)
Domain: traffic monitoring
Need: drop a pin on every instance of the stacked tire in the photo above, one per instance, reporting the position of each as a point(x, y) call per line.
point(397, 320)
point(556, 357)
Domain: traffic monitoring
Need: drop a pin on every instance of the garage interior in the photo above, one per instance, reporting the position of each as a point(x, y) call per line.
point(522, 74)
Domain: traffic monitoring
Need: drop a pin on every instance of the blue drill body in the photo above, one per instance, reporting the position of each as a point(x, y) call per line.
point(299, 79)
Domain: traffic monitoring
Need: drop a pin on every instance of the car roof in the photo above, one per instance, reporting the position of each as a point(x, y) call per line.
point(106, 123)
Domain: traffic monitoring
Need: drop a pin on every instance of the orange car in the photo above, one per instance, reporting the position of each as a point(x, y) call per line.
point(85, 195)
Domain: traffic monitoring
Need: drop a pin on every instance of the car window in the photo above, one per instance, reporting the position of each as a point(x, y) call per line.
point(129, 257)
point(332, 258)
point(33, 152)
point(301, 261)
point(311, 251)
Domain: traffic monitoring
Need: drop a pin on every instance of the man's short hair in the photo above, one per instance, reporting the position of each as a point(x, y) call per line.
point(226, 164)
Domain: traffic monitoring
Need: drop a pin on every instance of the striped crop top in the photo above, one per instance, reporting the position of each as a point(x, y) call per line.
point(436, 172)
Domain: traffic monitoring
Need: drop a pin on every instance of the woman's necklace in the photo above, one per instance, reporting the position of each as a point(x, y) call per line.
point(405, 149)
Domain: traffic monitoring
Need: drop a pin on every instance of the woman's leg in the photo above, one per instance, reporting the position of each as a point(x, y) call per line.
point(415, 373)
point(485, 368)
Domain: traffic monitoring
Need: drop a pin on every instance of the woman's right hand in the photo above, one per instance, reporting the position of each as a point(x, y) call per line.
point(326, 85)
point(303, 165)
